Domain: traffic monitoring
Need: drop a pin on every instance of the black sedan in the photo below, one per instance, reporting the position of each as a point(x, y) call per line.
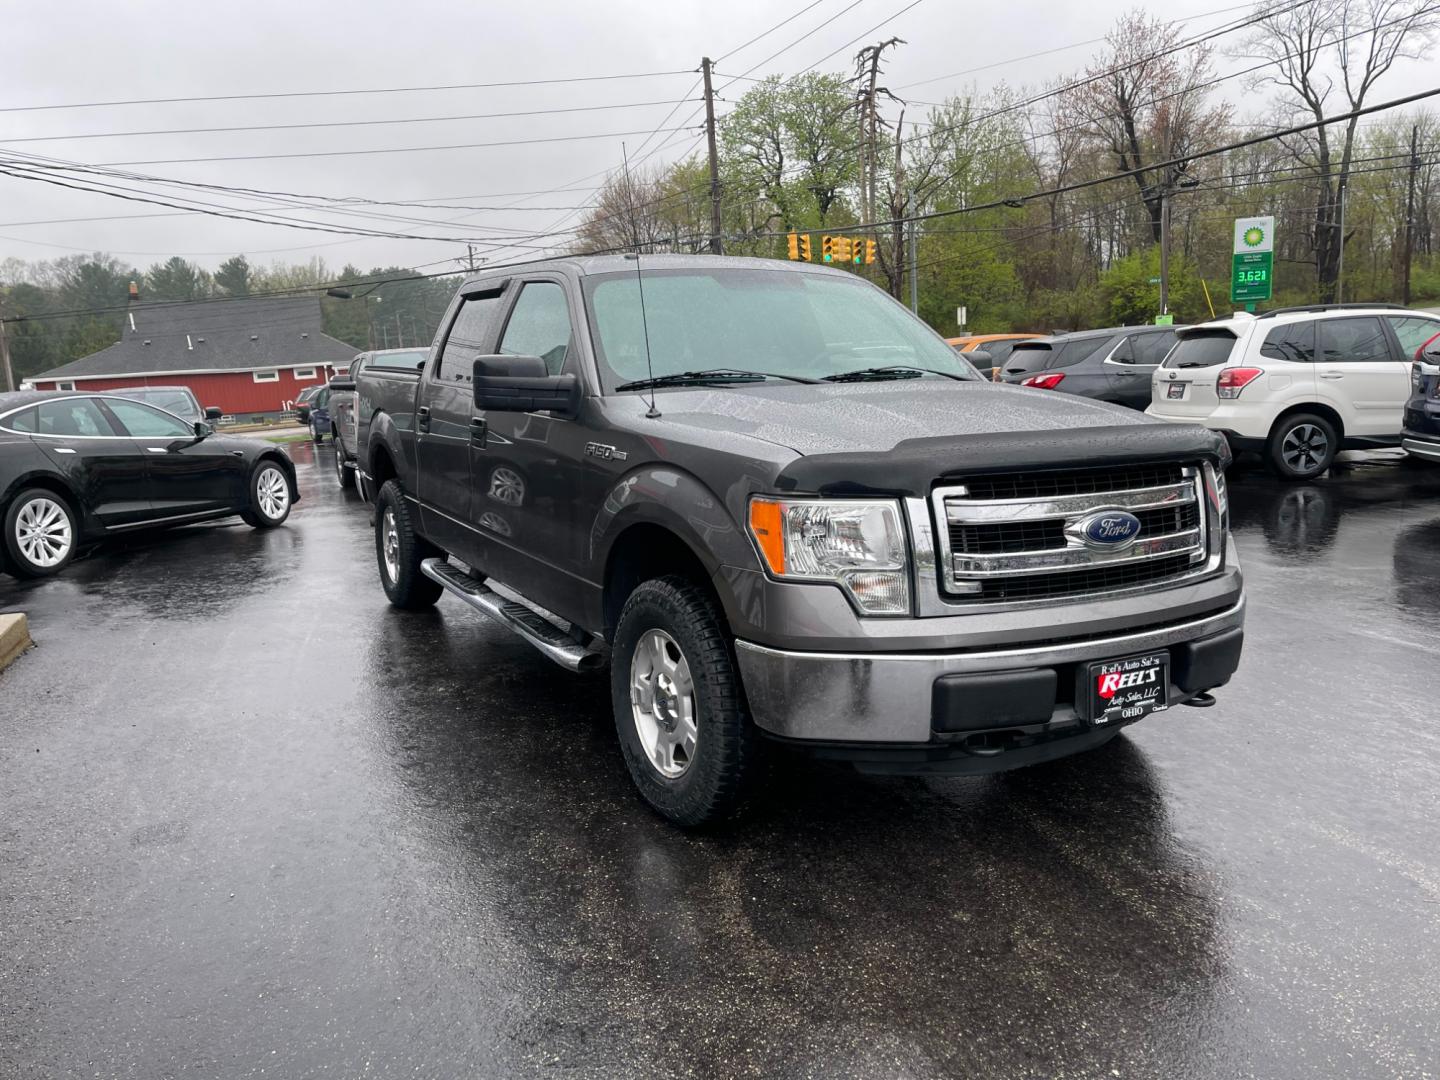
point(78, 467)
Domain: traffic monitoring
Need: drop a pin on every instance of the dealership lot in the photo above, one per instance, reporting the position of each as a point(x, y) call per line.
point(255, 822)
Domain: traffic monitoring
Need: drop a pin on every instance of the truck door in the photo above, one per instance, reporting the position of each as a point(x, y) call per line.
point(444, 425)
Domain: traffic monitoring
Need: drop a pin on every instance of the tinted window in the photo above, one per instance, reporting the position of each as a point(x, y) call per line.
point(21, 421)
point(1071, 352)
point(1294, 342)
point(1151, 348)
point(539, 325)
point(998, 350)
point(1204, 349)
point(1413, 332)
point(175, 401)
point(468, 338)
point(73, 416)
point(1025, 356)
point(143, 422)
point(1353, 341)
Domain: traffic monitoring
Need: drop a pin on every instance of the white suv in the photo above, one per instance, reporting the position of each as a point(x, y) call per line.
point(1297, 384)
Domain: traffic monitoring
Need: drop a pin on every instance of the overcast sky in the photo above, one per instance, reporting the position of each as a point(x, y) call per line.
point(88, 51)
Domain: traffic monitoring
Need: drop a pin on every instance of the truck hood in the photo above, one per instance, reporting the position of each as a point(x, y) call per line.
point(874, 417)
point(904, 437)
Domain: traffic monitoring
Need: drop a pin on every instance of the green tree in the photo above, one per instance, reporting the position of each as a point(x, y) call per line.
point(233, 277)
point(176, 279)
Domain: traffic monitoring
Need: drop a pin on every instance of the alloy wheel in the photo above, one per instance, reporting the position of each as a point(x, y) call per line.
point(1304, 447)
point(272, 491)
point(43, 532)
point(662, 698)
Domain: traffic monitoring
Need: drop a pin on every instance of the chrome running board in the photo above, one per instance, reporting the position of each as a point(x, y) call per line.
point(518, 618)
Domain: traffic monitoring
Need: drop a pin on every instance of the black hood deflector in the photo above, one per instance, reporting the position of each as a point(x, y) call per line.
point(916, 465)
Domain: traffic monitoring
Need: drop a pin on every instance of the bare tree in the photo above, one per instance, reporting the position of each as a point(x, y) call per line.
point(1143, 103)
point(1311, 51)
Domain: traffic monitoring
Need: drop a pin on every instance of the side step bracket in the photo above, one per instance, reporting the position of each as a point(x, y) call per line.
point(519, 618)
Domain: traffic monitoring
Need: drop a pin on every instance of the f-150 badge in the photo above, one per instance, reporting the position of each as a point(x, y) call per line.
point(604, 453)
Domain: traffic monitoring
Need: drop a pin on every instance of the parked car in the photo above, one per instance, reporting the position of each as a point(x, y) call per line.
point(179, 400)
point(996, 346)
point(1296, 384)
point(1108, 365)
point(317, 413)
point(78, 467)
point(851, 544)
point(342, 402)
point(1420, 435)
point(302, 404)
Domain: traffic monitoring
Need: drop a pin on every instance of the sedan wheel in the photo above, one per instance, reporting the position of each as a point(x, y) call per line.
point(40, 533)
point(269, 497)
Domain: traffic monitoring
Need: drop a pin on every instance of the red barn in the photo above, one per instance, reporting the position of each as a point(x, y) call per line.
point(251, 357)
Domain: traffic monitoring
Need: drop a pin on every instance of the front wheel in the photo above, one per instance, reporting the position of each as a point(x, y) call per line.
point(270, 497)
point(679, 713)
point(1302, 446)
point(40, 534)
point(400, 550)
point(344, 475)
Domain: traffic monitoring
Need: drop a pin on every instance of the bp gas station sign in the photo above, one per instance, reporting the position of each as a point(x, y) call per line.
point(1252, 264)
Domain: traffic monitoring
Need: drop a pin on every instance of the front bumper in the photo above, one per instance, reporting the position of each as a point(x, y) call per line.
point(903, 700)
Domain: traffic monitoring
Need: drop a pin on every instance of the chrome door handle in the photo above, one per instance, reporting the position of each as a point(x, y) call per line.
point(157, 450)
point(1332, 375)
point(63, 450)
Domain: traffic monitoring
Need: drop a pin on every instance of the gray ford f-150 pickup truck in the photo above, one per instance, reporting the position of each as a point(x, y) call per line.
point(781, 508)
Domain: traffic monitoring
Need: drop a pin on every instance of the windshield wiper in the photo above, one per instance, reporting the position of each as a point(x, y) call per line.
point(709, 375)
point(894, 371)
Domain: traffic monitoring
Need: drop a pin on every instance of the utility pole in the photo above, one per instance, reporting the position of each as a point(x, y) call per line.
point(1165, 249)
point(5, 358)
point(717, 246)
point(470, 256)
point(914, 253)
point(1410, 215)
point(1340, 260)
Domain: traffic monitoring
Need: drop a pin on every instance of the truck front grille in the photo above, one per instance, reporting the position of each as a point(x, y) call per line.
point(1019, 537)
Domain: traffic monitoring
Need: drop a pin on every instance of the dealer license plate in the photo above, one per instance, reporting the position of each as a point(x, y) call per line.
point(1175, 390)
point(1125, 690)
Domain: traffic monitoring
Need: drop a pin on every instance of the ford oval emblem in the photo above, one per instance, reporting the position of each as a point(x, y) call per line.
point(1110, 530)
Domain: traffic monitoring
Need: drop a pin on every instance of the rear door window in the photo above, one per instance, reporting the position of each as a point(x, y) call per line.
point(72, 416)
point(1354, 341)
point(1205, 349)
point(1295, 342)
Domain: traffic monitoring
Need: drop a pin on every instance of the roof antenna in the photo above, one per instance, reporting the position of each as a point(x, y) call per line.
point(653, 413)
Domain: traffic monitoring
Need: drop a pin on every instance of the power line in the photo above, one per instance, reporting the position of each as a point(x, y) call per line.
point(859, 37)
point(343, 93)
point(797, 41)
point(344, 123)
point(767, 33)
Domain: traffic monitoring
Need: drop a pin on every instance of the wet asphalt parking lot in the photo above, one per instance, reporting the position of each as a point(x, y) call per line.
point(254, 823)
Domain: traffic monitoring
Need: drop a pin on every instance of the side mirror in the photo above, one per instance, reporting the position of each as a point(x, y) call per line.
point(201, 429)
point(979, 357)
point(523, 384)
point(213, 412)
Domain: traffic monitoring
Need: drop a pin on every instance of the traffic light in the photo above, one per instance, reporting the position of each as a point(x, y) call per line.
point(869, 251)
point(805, 247)
point(857, 251)
point(794, 246)
point(842, 248)
point(827, 248)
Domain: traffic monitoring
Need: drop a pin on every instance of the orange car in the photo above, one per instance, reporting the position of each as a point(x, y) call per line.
point(997, 345)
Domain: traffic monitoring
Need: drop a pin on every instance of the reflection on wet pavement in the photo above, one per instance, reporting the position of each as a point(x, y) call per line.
point(253, 820)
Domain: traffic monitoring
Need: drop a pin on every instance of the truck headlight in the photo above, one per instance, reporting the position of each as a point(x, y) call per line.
point(858, 544)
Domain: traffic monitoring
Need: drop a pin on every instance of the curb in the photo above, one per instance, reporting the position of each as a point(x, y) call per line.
point(14, 638)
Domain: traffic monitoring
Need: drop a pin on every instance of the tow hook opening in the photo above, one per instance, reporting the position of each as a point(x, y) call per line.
point(1203, 700)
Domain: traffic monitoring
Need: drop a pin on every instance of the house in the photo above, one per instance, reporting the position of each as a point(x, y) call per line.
point(250, 356)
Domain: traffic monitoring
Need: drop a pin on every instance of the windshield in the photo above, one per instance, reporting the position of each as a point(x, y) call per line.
point(174, 401)
point(800, 325)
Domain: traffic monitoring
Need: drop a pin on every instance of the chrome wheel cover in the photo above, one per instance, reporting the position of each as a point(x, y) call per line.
point(662, 699)
point(390, 546)
point(272, 491)
point(43, 532)
point(1304, 447)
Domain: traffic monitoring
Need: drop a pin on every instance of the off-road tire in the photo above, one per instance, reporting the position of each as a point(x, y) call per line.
point(406, 587)
point(346, 476)
point(726, 762)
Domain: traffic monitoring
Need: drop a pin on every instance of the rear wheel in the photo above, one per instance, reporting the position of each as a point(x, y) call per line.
point(343, 472)
point(683, 728)
point(400, 550)
point(40, 534)
point(1302, 446)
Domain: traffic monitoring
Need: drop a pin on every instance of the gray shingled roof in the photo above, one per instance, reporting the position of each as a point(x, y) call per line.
point(285, 332)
